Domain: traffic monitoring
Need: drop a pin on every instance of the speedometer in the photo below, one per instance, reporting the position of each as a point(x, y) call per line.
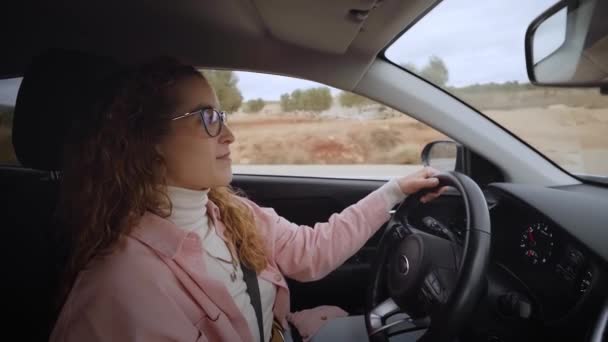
point(536, 242)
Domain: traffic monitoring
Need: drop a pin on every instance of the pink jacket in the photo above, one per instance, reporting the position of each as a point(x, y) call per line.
point(155, 288)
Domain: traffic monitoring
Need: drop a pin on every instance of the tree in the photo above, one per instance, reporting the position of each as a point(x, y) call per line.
point(435, 71)
point(6, 117)
point(225, 84)
point(313, 99)
point(319, 99)
point(411, 67)
point(297, 99)
point(7, 153)
point(349, 100)
point(286, 103)
point(254, 106)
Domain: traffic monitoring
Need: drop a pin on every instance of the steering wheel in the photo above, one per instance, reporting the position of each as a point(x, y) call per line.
point(434, 280)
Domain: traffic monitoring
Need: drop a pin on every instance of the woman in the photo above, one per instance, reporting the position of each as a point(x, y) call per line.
point(160, 240)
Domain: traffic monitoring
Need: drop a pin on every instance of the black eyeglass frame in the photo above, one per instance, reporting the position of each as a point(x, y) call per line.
point(201, 112)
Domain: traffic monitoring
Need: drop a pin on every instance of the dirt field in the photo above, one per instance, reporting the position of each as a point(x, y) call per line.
point(7, 155)
point(299, 140)
point(576, 138)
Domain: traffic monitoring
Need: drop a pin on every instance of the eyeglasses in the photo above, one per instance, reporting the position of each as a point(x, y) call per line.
point(213, 120)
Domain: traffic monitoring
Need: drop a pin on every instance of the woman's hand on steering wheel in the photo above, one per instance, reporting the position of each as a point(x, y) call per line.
point(421, 180)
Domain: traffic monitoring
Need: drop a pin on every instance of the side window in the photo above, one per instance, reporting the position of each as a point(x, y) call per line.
point(8, 95)
point(287, 126)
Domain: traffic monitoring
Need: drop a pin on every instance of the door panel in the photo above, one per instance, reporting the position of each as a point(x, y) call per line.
point(306, 201)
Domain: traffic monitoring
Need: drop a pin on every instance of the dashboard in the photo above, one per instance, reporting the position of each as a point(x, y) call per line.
point(554, 269)
point(543, 282)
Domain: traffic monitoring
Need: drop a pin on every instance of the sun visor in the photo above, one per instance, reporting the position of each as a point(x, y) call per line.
point(328, 26)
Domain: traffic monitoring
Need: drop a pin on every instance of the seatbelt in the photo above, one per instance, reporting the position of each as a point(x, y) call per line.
point(253, 289)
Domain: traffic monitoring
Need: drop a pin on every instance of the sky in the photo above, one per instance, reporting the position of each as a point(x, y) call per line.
point(8, 90)
point(479, 41)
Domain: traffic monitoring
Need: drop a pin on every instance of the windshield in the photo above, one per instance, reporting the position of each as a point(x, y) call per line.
point(475, 51)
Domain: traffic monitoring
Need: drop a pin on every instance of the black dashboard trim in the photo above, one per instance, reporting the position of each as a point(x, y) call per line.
point(583, 215)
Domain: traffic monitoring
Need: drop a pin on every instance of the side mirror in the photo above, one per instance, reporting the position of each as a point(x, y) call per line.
point(443, 155)
point(567, 45)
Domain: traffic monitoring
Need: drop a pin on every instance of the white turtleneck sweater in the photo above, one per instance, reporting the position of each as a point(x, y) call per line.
point(190, 213)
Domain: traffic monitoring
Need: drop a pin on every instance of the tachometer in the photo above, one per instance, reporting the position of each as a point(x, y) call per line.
point(537, 243)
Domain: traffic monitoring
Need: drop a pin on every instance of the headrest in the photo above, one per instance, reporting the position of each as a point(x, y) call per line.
point(59, 88)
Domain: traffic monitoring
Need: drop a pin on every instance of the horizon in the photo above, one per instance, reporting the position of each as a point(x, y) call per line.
point(10, 86)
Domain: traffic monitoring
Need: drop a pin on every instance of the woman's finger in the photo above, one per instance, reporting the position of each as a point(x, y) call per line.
point(432, 195)
point(442, 189)
point(433, 171)
point(424, 183)
point(427, 198)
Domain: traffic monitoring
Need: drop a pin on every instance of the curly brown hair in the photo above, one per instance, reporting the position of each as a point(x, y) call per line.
point(114, 174)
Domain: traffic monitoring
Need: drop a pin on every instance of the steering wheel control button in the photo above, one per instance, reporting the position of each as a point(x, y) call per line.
point(433, 288)
point(437, 288)
point(586, 282)
point(399, 233)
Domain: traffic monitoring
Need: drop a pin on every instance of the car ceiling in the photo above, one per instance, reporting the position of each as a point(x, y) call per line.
point(331, 42)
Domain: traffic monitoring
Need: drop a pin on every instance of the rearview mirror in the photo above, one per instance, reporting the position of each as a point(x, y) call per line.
point(443, 155)
point(567, 45)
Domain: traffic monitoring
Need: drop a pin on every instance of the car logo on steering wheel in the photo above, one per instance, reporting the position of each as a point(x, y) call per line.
point(404, 265)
